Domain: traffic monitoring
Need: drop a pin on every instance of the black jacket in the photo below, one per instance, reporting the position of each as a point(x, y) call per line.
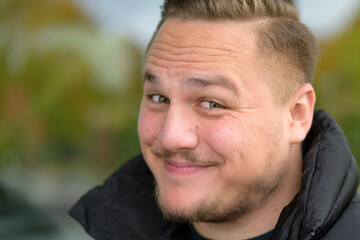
point(327, 207)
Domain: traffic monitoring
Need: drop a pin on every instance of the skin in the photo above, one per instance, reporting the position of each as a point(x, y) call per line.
point(224, 154)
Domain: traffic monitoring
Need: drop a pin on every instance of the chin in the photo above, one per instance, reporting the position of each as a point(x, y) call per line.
point(184, 206)
point(177, 205)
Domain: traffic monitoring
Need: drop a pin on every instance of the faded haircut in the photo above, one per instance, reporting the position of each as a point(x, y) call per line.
point(285, 44)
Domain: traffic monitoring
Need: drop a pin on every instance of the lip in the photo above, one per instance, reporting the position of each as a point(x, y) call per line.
point(184, 168)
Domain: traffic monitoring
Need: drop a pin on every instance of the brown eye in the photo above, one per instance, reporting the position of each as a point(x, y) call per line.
point(159, 99)
point(210, 104)
point(214, 105)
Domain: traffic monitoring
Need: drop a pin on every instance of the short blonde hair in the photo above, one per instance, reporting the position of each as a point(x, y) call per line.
point(286, 44)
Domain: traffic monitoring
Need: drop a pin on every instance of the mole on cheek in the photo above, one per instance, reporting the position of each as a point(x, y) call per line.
point(197, 127)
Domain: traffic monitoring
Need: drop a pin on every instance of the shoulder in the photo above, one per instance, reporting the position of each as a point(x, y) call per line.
point(132, 175)
point(120, 207)
point(348, 224)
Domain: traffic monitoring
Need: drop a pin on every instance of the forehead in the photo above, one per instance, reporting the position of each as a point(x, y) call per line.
point(226, 31)
point(186, 49)
point(218, 40)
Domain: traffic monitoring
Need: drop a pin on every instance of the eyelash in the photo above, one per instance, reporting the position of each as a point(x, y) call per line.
point(165, 100)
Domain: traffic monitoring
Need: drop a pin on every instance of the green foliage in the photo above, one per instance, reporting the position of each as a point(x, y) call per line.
point(337, 82)
point(67, 93)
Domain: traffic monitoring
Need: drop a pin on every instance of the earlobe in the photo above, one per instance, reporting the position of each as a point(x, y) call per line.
point(301, 113)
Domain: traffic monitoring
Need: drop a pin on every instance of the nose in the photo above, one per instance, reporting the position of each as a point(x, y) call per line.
point(178, 131)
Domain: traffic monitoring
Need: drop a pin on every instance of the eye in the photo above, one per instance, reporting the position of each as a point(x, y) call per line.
point(210, 104)
point(159, 99)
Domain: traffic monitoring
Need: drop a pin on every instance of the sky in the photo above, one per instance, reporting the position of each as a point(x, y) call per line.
point(137, 19)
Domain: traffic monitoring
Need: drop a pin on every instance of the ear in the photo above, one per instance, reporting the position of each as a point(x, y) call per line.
point(301, 113)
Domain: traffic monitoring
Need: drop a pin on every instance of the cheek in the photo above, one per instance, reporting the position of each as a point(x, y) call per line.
point(239, 144)
point(230, 137)
point(149, 126)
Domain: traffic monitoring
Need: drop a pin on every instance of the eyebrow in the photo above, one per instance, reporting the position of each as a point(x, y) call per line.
point(211, 81)
point(197, 82)
point(149, 77)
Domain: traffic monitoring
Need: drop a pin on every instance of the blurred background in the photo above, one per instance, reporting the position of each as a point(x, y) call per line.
point(70, 88)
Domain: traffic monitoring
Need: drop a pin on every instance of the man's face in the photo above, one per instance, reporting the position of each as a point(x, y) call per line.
point(209, 129)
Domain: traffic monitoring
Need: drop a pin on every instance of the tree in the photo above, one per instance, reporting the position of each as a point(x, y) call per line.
point(337, 82)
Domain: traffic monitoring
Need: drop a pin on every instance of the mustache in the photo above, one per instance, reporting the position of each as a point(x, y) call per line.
point(187, 155)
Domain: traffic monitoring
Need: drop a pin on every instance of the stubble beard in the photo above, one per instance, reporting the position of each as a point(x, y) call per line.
point(202, 212)
point(220, 210)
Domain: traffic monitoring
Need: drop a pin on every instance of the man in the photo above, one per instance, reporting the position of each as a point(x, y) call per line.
point(227, 135)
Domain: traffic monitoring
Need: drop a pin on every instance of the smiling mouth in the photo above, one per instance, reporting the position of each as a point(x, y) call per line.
point(185, 168)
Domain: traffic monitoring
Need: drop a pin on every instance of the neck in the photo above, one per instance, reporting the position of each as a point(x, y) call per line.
point(264, 218)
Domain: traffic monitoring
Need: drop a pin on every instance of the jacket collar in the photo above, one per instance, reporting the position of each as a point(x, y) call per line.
point(329, 181)
point(124, 207)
